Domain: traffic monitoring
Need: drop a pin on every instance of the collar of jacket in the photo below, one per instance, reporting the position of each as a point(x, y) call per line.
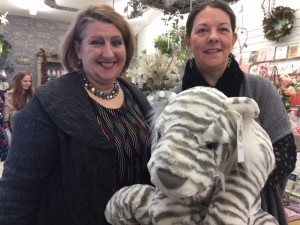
point(66, 102)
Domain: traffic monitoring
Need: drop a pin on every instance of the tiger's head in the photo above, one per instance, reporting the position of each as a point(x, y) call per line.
point(194, 139)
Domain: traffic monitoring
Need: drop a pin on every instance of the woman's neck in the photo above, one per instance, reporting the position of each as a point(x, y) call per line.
point(212, 77)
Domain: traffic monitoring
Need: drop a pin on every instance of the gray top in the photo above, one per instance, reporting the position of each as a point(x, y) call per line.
point(273, 116)
point(274, 119)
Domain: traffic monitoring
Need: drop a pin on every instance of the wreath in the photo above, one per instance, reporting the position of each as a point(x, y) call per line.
point(283, 16)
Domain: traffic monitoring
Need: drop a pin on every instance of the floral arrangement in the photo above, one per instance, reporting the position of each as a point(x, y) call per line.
point(156, 71)
point(5, 46)
point(286, 88)
point(173, 42)
point(285, 17)
point(286, 85)
point(162, 44)
point(163, 69)
point(42, 53)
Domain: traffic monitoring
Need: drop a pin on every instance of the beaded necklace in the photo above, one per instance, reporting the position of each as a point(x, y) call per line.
point(110, 95)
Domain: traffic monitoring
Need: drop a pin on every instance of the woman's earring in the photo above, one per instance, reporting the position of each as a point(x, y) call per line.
point(230, 56)
point(191, 60)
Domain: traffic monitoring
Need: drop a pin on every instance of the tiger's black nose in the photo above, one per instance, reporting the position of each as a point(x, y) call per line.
point(170, 180)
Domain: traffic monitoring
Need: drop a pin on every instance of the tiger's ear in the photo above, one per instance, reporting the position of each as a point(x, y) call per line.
point(158, 102)
point(246, 107)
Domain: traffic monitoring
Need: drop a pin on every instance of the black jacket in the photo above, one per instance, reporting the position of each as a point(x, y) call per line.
point(59, 168)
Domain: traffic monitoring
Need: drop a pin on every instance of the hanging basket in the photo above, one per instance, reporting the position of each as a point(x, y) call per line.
point(175, 6)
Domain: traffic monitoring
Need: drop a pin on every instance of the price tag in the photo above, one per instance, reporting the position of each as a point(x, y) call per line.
point(240, 142)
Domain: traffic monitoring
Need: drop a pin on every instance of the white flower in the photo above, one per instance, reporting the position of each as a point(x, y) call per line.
point(157, 71)
point(3, 19)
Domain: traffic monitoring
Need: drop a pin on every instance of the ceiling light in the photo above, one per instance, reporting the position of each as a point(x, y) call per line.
point(32, 12)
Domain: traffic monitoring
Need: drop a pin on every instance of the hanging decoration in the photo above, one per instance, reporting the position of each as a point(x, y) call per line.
point(134, 9)
point(267, 7)
point(169, 2)
point(173, 19)
point(3, 19)
point(230, 1)
point(282, 17)
point(242, 34)
point(172, 6)
point(42, 53)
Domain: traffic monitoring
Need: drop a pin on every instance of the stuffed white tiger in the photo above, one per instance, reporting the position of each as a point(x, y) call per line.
point(194, 165)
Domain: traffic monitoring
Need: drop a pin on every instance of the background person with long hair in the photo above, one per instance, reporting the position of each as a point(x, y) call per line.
point(18, 96)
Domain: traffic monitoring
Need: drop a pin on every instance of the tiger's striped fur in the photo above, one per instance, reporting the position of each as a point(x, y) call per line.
point(194, 165)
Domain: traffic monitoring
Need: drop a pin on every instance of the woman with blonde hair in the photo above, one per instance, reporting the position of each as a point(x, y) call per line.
point(18, 96)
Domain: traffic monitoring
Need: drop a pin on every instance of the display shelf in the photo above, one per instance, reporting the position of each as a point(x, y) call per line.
point(53, 67)
point(284, 66)
point(276, 60)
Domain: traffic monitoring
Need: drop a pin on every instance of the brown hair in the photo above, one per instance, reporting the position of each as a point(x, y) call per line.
point(103, 13)
point(218, 4)
point(19, 99)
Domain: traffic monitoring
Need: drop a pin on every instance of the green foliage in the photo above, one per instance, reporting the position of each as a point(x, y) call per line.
point(5, 46)
point(173, 43)
point(136, 8)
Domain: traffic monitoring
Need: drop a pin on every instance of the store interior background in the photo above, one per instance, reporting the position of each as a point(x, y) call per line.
point(28, 34)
